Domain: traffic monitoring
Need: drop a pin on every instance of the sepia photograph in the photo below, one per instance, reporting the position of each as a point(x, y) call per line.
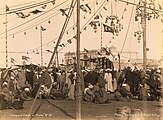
point(81, 59)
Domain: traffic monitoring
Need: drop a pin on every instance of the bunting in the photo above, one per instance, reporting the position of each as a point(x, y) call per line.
point(22, 15)
point(42, 28)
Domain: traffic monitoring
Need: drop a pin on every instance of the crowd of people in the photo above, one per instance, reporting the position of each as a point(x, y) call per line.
point(97, 85)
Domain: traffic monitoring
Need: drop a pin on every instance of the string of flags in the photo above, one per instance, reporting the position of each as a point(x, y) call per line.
point(70, 40)
point(24, 58)
point(23, 16)
point(43, 5)
point(114, 27)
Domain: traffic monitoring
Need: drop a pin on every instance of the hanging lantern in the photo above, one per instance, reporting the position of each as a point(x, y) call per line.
point(13, 36)
point(36, 28)
point(49, 22)
point(84, 17)
point(67, 32)
point(136, 18)
point(95, 28)
point(99, 24)
point(134, 34)
point(25, 33)
point(139, 38)
point(112, 23)
point(37, 52)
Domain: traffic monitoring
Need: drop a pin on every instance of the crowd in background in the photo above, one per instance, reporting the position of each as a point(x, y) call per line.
point(97, 85)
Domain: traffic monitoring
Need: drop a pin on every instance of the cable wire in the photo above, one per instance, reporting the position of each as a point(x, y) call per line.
point(127, 29)
point(37, 23)
point(15, 10)
point(33, 18)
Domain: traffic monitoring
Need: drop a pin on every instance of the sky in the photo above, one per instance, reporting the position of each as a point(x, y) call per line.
point(24, 40)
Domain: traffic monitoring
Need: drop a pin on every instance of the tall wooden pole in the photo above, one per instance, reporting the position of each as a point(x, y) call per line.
point(144, 36)
point(41, 46)
point(78, 116)
point(6, 37)
point(57, 59)
point(119, 62)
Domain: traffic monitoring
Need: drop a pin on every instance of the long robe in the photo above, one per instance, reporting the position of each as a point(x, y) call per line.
point(109, 85)
point(21, 78)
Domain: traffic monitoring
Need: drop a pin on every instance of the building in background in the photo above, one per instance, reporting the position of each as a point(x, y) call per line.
point(106, 58)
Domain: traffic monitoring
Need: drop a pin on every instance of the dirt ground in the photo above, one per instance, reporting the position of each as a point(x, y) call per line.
point(47, 109)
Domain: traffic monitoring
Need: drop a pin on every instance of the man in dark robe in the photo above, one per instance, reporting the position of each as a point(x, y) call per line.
point(91, 77)
point(29, 77)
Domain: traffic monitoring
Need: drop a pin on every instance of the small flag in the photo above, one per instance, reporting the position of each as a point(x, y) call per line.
point(25, 58)
point(88, 6)
point(103, 49)
point(13, 60)
point(82, 7)
point(86, 50)
point(101, 16)
point(63, 45)
point(53, 2)
point(7, 8)
point(85, 57)
point(112, 48)
point(36, 11)
point(69, 41)
point(97, 17)
point(105, 8)
point(63, 11)
point(108, 29)
point(99, 53)
point(160, 7)
point(44, 6)
point(22, 15)
point(42, 28)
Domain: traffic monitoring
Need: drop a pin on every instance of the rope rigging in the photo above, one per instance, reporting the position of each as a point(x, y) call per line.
point(16, 10)
point(33, 18)
point(38, 22)
point(127, 29)
point(56, 37)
